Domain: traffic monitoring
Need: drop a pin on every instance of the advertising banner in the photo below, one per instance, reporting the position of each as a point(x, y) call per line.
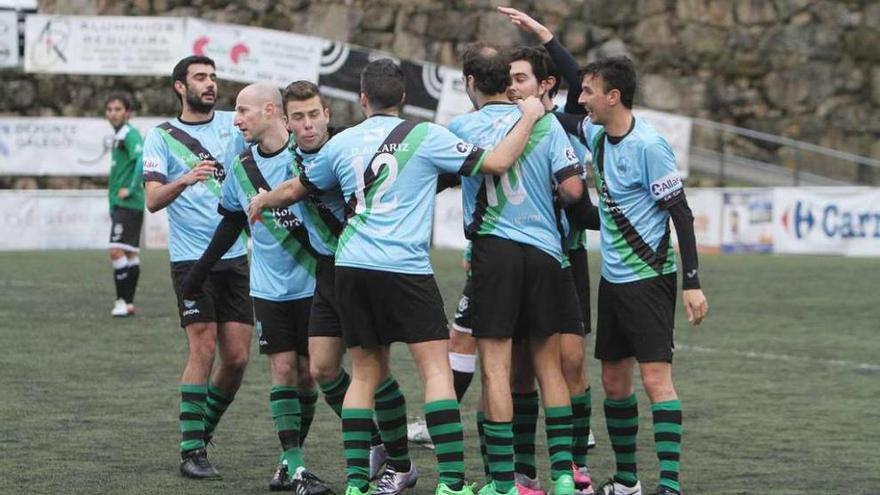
point(59, 145)
point(8, 38)
point(250, 54)
point(827, 220)
point(747, 220)
point(103, 45)
point(54, 219)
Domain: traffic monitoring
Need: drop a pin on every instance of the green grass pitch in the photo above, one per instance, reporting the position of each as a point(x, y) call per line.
point(781, 385)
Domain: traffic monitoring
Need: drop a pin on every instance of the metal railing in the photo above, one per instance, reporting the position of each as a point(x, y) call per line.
point(732, 153)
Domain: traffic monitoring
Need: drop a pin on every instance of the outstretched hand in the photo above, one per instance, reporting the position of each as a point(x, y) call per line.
point(528, 24)
point(256, 206)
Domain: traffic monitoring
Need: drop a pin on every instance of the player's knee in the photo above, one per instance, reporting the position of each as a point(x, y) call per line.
point(616, 386)
point(462, 343)
point(658, 386)
point(116, 253)
point(235, 362)
point(573, 368)
point(304, 381)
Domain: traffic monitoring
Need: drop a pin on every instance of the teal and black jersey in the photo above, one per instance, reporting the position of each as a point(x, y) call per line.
point(518, 205)
point(325, 211)
point(171, 150)
point(283, 262)
point(576, 239)
point(637, 181)
point(387, 170)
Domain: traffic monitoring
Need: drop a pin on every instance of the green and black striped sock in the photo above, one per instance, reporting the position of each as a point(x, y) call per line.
point(193, 398)
point(391, 415)
point(525, 425)
point(307, 401)
point(622, 419)
point(481, 432)
point(667, 441)
point(581, 409)
point(286, 413)
point(356, 425)
point(218, 402)
point(443, 419)
point(499, 447)
point(557, 423)
point(334, 391)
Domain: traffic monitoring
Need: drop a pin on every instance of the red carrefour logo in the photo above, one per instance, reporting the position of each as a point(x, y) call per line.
point(238, 50)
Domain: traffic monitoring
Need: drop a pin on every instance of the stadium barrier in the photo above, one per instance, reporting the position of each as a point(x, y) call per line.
point(819, 220)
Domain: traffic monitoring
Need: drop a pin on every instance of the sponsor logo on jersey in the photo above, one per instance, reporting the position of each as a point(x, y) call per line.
point(570, 155)
point(463, 147)
point(665, 186)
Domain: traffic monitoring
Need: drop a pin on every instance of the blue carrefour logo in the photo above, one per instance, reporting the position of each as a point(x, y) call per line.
point(835, 221)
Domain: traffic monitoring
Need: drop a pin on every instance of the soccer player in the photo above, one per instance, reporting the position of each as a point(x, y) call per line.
point(387, 170)
point(126, 192)
point(533, 72)
point(283, 267)
point(517, 262)
point(185, 162)
point(308, 119)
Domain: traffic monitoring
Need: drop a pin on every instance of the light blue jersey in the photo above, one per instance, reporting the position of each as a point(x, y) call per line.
point(637, 180)
point(283, 263)
point(387, 170)
point(518, 205)
point(171, 150)
point(324, 212)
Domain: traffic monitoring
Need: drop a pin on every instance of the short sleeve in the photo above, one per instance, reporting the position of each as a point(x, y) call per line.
point(155, 158)
point(587, 133)
point(450, 154)
point(229, 191)
point(319, 175)
point(564, 161)
point(661, 175)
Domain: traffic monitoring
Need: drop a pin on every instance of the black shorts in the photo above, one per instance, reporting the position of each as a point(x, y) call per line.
point(324, 319)
point(283, 326)
point(636, 319)
point(518, 291)
point(125, 228)
point(572, 312)
point(378, 307)
point(580, 272)
point(462, 321)
point(225, 295)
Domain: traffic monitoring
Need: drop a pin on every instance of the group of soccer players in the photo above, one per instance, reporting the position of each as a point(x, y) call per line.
point(340, 223)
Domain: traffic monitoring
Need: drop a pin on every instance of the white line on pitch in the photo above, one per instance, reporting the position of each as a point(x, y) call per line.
point(781, 357)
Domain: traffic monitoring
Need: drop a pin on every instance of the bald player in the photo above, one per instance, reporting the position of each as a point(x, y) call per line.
point(282, 270)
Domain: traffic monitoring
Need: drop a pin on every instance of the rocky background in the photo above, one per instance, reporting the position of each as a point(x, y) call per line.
point(806, 69)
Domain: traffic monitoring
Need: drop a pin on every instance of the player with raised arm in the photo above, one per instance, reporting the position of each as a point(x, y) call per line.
point(520, 287)
point(640, 191)
point(126, 191)
point(387, 170)
point(533, 72)
point(185, 161)
point(283, 267)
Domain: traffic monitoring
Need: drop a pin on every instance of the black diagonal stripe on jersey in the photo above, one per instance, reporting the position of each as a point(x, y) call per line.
point(324, 211)
point(473, 228)
point(194, 146)
point(629, 232)
point(294, 225)
point(395, 137)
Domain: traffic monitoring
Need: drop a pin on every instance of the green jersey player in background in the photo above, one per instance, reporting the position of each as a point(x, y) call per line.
point(126, 194)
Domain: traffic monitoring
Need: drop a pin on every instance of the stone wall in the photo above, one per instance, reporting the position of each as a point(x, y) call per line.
point(807, 69)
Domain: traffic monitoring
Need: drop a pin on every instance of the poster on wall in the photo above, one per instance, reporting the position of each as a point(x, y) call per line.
point(747, 220)
point(103, 45)
point(827, 220)
point(706, 204)
point(49, 219)
point(250, 54)
point(59, 145)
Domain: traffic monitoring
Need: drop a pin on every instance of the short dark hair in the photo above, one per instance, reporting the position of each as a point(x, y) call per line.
point(301, 91)
point(617, 73)
point(384, 83)
point(541, 62)
point(180, 70)
point(489, 67)
point(121, 97)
